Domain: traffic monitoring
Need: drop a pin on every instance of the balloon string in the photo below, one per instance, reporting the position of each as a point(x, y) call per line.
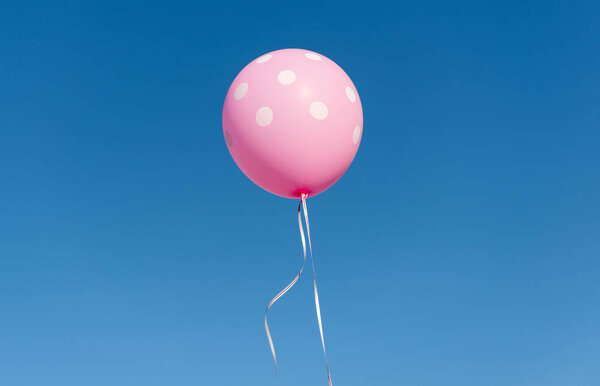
point(286, 289)
point(312, 262)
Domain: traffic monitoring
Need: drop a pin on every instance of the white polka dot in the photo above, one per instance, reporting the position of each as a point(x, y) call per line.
point(312, 56)
point(286, 77)
point(318, 110)
point(350, 94)
point(228, 139)
point(356, 135)
point(240, 91)
point(264, 58)
point(264, 116)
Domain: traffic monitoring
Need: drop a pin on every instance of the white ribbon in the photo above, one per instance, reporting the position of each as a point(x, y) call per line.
point(312, 262)
point(302, 205)
point(280, 294)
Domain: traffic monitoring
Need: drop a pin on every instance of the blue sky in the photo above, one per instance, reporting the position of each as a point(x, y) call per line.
point(460, 248)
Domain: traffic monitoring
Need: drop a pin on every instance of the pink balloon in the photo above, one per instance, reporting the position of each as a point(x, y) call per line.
point(293, 121)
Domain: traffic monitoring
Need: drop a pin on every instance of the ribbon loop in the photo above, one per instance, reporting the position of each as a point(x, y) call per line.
point(286, 289)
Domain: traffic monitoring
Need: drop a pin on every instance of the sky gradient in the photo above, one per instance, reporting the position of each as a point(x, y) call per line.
point(461, 247)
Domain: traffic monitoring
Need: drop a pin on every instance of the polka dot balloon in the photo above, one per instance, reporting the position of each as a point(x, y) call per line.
point(292, 121)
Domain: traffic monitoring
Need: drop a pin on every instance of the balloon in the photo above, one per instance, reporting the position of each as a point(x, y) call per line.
point(292, 121)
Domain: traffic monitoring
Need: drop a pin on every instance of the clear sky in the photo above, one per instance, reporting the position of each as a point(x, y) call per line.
point(461, 248)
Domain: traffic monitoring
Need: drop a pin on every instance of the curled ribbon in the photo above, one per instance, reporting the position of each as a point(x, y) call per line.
point(301, 207)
